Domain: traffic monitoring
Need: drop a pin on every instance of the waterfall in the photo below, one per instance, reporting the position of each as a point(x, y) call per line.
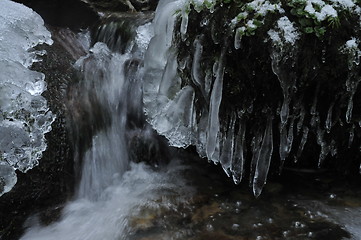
point(105, 85)
point(107, 108)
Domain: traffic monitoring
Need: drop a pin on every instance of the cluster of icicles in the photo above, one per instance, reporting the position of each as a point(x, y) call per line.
point(170, 104)
point(171, 110)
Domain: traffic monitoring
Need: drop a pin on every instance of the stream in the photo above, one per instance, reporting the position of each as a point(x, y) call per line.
point(175, 194)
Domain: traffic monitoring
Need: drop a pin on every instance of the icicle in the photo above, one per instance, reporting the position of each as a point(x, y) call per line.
point(196, 64)
point(207, 83)
point(351, 87)
point(239, 158)
point(349, 109)
point(213, 118)
point(215, 68)
point(184, 23)
point(328, 123)
point(333, 148)
point(351, 136)
point(287, 81)
point(286, 140)
point(238, 38)
point(302, 143)
point(157, 53)
point(171, 82)
point(283, 146)
point(256, 145)
point(314, 113)
point(264, 160)
point(285, 85)
point(301, 119)
point(285, 110)
point(228, 147)
point(325, 149)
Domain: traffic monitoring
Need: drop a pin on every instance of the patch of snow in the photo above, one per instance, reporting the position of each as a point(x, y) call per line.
point(262, 7)
point(274, 35)
point(326, 11)
point(344, 3)
point(286, 31)
point(351, 43)
point(250, 24)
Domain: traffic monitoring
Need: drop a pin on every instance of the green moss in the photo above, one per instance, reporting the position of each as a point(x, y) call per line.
point(249, 16)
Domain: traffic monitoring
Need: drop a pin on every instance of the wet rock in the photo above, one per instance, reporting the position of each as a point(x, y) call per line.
point(73, 14)
point(144, 220)
point(118, 30)
point(352, 201)
point(203, 213)
point(218, 236)
point(123, 5)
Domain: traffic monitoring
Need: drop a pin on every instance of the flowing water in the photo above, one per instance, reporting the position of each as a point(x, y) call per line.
point(180, 198)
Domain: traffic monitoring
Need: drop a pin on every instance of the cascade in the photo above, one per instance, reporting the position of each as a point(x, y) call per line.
point(107, 103)
point(105, 84)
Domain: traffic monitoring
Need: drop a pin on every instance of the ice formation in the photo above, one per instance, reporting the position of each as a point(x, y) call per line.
point(283, 40)
point(187, 110)
point(24, 114)
point(171, 107)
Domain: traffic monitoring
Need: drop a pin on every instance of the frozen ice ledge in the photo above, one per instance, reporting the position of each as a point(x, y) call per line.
point(24, 114)
point(257, 85)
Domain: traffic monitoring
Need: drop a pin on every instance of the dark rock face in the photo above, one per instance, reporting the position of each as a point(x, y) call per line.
point(63, 13)
point(118, 30)
point(321, 84)
point(123, 5)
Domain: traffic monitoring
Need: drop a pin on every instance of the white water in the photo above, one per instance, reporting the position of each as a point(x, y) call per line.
point(110, 218)
point(348, 217)
point(112, 190)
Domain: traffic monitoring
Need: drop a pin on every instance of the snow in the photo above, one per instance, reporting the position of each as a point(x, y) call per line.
point(344, 3)
point(24, 115)
point(262, 7)
point(352, 50)
point(289, 31)
point(329, 10)
point(250, 24)
point(351, 44)
point(326, 11)
point(285, 32)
